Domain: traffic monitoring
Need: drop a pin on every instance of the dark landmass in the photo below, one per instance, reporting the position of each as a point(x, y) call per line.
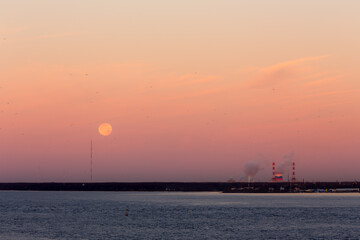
point(226, 187)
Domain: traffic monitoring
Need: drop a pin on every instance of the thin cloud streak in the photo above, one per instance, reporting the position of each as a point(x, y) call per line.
point(282, 72)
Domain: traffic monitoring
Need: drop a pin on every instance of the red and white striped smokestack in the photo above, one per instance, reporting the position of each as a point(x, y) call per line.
point(293, 179)
point(273, 177)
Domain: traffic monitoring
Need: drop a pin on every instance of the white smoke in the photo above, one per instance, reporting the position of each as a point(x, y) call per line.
point(286, 163)
point(251, 168)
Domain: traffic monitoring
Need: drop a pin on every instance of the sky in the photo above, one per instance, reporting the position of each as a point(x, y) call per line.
point(193, 90)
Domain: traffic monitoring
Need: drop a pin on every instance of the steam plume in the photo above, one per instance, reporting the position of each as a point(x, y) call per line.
point(251, 168)
point(286, 163)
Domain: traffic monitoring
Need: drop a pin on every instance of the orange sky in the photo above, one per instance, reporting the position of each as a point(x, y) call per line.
point(193, 91)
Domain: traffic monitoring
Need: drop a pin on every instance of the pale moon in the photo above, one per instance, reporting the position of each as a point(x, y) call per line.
point(105, 129)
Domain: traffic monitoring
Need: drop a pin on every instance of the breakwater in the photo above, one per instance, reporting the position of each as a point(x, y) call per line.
point(257, 187)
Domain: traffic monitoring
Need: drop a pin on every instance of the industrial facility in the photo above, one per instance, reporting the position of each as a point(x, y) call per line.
point(278, 176)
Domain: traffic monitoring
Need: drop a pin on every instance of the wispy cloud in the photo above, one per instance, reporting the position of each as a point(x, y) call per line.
point(282, 72)
point(5, 30)
point(57, 35)
point(188, 80)
point(321, 81)
point(330, 93)
point(195, 94)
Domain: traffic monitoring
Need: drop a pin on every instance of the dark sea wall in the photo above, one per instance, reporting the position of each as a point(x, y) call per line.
point(116, 186)
point(178, 186)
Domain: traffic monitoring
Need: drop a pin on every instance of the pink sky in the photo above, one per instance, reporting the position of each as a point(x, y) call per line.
point(193, 91)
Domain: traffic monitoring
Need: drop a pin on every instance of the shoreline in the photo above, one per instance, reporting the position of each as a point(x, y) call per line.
point(224, 187)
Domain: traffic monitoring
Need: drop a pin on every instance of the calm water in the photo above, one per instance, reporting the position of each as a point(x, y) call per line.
point(101, 215)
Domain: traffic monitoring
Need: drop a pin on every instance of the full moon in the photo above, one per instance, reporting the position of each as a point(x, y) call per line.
point(105, 129)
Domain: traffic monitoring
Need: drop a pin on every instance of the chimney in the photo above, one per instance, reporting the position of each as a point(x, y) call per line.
point(273, 172)
point(293, 179)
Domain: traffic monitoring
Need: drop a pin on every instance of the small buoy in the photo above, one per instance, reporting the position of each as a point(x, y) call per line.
point(126, 214)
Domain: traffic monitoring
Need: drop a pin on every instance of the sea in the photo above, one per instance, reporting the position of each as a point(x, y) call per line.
point(177, 215)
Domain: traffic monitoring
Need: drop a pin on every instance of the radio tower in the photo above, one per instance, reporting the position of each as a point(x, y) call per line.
point(293, 179)
point(91, 161)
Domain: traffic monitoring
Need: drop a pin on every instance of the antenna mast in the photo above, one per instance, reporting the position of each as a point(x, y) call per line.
point(91, 156)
